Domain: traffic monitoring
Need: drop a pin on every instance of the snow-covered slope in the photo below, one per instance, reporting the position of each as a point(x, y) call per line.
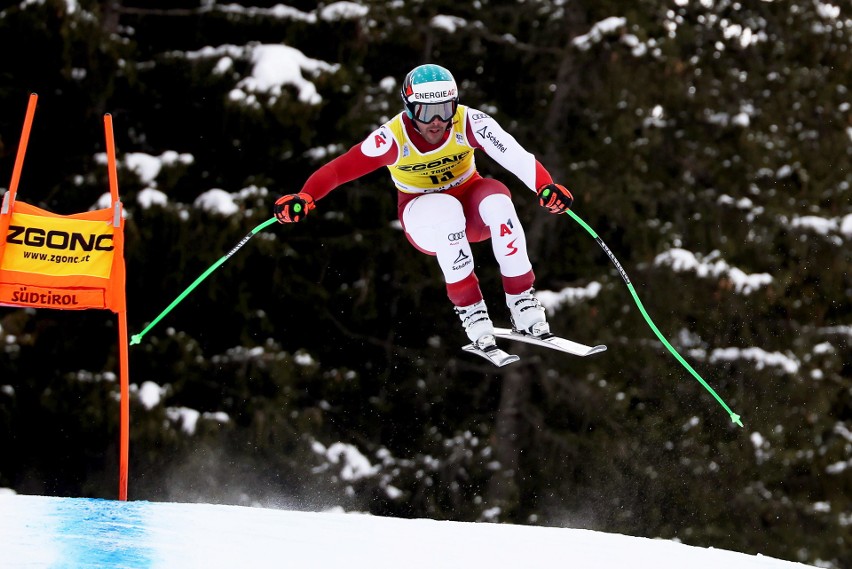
point(39, 531)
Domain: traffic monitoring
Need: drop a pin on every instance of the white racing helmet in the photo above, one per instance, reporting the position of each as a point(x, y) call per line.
point(430, 91)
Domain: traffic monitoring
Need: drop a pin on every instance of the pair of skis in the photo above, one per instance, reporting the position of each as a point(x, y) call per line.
point(500, 357)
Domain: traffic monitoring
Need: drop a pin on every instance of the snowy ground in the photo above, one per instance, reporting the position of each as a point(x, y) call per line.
point(39, 531)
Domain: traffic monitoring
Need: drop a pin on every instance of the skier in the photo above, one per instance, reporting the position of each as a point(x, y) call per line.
point(444, 204)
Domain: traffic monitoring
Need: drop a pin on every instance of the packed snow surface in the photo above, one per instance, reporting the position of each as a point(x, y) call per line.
point(41, 532)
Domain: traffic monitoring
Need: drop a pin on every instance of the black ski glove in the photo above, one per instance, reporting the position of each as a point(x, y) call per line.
point(555, 197)
point(292, 208)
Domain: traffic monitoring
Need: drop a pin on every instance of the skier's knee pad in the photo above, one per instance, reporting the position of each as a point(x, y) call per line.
point(497, 208)
point(429, 219)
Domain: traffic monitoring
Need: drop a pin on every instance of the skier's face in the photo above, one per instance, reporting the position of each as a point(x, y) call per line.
point(433, 131)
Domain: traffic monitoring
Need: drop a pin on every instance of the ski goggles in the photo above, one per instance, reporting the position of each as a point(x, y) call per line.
point(426, 112)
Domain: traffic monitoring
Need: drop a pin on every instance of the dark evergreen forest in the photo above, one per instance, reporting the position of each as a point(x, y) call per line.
point(320, 366)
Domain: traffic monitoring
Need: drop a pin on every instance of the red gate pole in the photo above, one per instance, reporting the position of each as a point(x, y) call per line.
point(124, 419)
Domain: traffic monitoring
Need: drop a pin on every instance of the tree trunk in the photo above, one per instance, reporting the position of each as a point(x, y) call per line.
point(507, 441)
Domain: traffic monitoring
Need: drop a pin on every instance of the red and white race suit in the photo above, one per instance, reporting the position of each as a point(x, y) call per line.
point(444, 204)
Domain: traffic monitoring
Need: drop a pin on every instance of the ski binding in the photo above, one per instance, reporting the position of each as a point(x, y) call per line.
point(492, 353)
point(550, 341)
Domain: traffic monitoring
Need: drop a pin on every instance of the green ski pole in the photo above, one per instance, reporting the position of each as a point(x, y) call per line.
point(734, 417)
point(136, 338)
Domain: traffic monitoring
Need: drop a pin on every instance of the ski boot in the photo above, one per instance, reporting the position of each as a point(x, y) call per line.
point(477, 324)
point(527, 314)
